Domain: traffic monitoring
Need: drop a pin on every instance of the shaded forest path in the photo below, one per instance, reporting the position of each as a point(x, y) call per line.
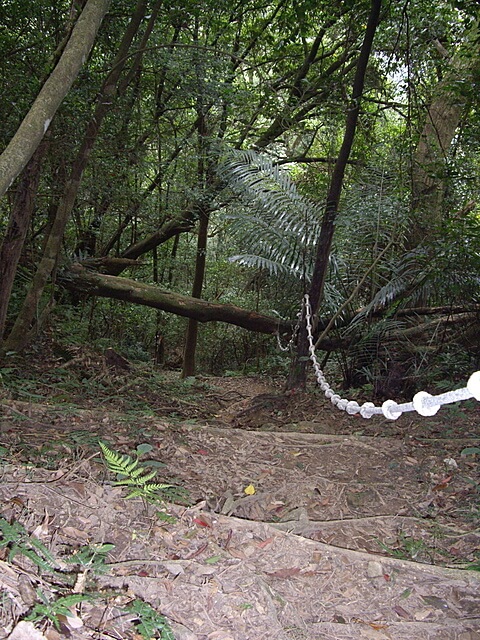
point(302, 522)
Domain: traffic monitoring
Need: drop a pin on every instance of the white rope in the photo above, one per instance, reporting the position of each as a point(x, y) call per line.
point(422, 402)
point(291, 342)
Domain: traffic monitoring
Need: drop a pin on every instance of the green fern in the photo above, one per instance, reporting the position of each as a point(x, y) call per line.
point(149, 621)
point(51, 609)
point(134, 476)
point(278, 226)
point(92, 557)
point(16, 538)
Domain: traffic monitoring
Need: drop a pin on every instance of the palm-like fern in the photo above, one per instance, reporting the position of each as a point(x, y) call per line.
point(279, 228)
point(278, 225)
point(437, 275)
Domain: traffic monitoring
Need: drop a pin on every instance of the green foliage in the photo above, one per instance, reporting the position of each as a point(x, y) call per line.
point(136, 477)
point(468, 451)
point(411, 548)
point(92, 557)
point(52, 609)
point(474, 566)
point(149, 621)
point(253, 73)
point(18, 541)
point(278, 222)
point(440, 274)
point(4, 454)
point(408, 548)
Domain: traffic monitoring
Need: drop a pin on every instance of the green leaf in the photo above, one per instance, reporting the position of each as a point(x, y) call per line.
point(144, 448)
point(135, 477)
point(470, 451)
point(150, 621)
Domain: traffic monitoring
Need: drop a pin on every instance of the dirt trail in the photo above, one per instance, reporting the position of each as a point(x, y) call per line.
point(305, 523)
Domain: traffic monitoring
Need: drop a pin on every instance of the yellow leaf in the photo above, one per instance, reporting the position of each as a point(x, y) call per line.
point(250, 490)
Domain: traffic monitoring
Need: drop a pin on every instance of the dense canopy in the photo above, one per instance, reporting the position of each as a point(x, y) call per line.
point(242, 154)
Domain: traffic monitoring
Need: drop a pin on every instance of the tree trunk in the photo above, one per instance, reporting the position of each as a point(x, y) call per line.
point(18, 337)
point(182, 223)
point(35, 124)
point(13, 241)
point(190, 348)
point(90, 283)
point(192, 329)
point(297, 377)
point(444, 113)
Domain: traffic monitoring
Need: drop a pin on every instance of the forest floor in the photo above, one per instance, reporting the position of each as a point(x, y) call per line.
point(299, 522)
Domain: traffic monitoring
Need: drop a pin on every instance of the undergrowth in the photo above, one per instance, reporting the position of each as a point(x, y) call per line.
point(59, 589)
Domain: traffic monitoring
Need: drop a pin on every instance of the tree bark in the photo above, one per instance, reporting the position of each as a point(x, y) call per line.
point(13, 241)
point(297, 377)
point(204, 171)
point(80, 280)
point(182, 223)
point(443, 116)
point(192, 329)
point(18, 337)
point(35, 124)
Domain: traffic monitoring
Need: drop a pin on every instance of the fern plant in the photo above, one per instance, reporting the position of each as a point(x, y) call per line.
point(149, 621)
point(16, 538)
point(92, 556)
point(278, 226)
point(277, 229)
point(52, 609)
point(135, 477)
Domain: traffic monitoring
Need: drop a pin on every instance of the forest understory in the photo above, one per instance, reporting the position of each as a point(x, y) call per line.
point(286, 518)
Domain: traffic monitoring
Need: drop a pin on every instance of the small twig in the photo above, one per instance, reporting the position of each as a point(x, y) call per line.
point(133, 563)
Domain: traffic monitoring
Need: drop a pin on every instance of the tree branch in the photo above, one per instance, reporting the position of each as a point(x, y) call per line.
point(35, 124)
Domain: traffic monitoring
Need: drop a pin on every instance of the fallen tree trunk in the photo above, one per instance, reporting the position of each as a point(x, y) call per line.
point(82, 280)
point(92, 283)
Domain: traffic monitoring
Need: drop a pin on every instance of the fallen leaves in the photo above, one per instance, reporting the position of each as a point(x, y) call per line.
point(287, 572)
point(443, 484)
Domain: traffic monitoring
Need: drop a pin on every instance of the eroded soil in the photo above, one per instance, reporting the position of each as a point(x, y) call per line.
point(301, 522)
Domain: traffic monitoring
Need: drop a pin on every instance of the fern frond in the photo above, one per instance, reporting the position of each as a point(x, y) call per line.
point(272, 266)
point(138, 480)
point(11, 532)
point(119, 463)
point(20, 541)
point(278, 223)
point(149, 491)
point(134, 477)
